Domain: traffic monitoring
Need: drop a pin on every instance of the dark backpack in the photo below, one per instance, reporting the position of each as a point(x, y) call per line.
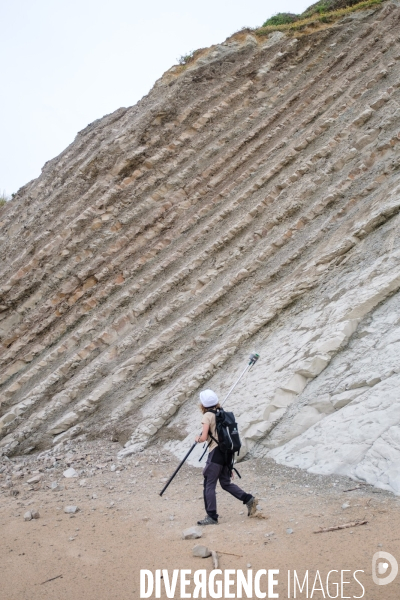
point(228, 435)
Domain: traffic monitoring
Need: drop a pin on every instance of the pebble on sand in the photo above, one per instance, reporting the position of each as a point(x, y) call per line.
point(71, 510)
point(31, 514)
point(201, 551)
point(192, 533)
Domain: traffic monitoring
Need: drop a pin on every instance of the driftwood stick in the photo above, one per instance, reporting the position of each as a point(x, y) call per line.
point(359, 486)
point(345, 526)
point(230, 554)
point(52, 579)
point(214, 559)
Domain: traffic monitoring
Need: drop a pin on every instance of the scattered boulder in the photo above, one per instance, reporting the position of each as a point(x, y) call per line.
point(70, 473)
point(71, 510)
point(35, 479)
point(192, 533)
point(201, 551)
point(31, 514)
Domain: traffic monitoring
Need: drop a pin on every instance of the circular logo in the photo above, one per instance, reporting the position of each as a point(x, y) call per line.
point(382, 563)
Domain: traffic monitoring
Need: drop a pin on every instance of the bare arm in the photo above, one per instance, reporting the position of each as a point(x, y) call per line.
point(204, 435)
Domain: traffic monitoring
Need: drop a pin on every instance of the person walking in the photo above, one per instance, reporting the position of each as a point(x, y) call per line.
point(216, 468)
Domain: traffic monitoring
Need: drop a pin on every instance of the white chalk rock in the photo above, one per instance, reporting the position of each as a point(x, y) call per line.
point(69, 473)
point(64, 423)
point(313, 366)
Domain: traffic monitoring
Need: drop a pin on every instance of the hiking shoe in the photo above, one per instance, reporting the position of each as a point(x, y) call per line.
point(207, 521)
point(251, 506)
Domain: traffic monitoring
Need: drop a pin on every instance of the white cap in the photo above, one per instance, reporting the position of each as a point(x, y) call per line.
point(208, 398)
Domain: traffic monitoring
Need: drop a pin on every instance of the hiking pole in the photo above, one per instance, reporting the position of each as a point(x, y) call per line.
point(253, 359)
point(177, 469)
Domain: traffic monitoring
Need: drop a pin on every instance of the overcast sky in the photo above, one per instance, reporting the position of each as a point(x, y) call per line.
point(65, 63)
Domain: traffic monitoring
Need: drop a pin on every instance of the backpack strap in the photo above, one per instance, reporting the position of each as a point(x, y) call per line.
point(211, 410)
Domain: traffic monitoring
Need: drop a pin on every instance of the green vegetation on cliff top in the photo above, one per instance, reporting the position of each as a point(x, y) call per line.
point(324, 11)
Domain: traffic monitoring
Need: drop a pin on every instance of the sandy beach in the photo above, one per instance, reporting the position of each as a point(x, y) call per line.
point(122, 525)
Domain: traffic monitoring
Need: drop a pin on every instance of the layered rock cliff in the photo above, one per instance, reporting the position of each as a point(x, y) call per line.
point(250, 201)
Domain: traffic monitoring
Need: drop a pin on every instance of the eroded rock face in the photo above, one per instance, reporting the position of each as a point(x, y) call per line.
point(361, 437)
point(250, 201)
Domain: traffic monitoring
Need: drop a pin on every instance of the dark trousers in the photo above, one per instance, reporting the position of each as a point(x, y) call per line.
point(213, 472)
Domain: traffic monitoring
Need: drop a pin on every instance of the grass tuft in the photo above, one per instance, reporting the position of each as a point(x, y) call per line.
point(186, 58)
point(4, 198)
